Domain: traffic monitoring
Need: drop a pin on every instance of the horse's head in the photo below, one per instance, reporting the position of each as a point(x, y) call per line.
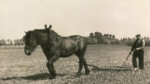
point(30, 43)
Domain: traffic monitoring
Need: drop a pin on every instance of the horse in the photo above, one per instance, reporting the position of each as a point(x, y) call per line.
point(55, 46)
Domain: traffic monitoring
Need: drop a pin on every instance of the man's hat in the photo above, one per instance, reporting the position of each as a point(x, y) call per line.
point(138, 35)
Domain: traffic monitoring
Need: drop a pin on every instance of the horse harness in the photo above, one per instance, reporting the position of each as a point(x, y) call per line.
point(49, 41)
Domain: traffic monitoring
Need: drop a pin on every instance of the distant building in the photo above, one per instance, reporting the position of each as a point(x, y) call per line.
point(9, 42)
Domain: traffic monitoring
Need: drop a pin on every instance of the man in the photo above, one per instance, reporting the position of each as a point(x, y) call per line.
point(138, 52)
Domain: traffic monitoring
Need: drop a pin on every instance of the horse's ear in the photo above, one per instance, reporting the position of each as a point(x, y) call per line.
point(45, 26)
point(50, 26)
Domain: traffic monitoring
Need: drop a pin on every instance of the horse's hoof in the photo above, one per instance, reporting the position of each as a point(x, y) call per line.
point(52, 77)
point(87, 73)
point(78, 75)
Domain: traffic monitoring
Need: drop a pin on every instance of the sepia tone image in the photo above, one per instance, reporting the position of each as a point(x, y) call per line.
point(74, 41)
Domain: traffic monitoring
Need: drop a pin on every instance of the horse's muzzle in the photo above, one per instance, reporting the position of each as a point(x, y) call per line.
point(27, 51)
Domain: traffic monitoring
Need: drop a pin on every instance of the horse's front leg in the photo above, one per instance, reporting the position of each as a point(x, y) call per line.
point(51, 67)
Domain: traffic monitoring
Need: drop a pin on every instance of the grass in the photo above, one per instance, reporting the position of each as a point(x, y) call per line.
point(17, 68)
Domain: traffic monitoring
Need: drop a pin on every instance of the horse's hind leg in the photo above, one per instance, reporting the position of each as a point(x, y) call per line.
point(82, 62)
point(87, 71)
point(51, 67)
point(85, 64)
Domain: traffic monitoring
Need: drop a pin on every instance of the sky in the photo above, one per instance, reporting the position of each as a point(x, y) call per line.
point(122, 18)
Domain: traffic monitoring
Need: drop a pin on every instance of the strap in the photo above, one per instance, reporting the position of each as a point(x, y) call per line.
point(48, 37)
point(48, 33)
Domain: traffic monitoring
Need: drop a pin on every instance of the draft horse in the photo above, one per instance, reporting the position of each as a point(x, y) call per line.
point(55, 46)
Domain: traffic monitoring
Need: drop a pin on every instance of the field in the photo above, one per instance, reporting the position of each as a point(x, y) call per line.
point(17, 68)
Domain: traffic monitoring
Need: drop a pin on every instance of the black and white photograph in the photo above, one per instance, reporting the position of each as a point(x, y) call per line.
point(74, 41)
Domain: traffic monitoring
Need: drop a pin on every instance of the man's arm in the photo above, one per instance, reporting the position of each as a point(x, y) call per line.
point(132, 50)
point(133, 46)
point(143, 45)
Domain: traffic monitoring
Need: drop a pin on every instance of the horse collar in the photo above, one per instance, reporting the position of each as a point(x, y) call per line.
point(48, 36)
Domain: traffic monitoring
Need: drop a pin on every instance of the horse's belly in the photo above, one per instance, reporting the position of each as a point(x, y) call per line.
point(69, 48)
point(67, 53)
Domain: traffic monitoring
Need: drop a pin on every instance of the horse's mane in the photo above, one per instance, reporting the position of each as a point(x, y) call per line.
point(39, 30)
point(43, 30)
point(54, 33)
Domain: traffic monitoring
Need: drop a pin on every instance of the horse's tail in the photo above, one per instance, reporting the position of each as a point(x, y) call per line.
point(86, 39)
point(90, 40)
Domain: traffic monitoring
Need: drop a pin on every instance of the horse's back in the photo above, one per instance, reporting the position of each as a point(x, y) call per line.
point(77, 38)
point(69, 47)
point(73, 44)
point(81, 41)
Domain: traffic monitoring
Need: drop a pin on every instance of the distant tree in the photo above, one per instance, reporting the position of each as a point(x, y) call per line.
point(128, 38)
point(147, 38)
point(11, 43)
point(106, 41)
point(98, 36)
point(147, 42)
point(130, 42)
point(8, 41)
point(2, 42)
point(134, 38)
point(144, 38)
point(19, 42)
point(89, 39)
point(110, 36)
point(92, 40)
point(113, 41)
point(117, 41)
point(91, 35)
point(121, 39)
point(106, 36)
point(16, 42)
point(124, 41)
point(113, 36)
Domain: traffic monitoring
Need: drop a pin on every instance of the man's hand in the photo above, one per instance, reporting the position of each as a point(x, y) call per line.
point(137, 48)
